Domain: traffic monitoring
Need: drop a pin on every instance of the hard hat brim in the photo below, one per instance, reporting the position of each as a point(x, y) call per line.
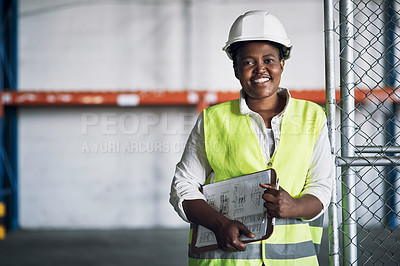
point(286, 45)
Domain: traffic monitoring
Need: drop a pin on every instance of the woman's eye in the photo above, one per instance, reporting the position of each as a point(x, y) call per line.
point(248, 63)
point(269, 61)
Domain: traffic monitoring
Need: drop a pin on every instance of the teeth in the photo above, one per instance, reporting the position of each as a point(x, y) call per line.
point(261, 80)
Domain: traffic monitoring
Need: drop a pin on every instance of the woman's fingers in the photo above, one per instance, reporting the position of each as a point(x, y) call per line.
point(228, 236)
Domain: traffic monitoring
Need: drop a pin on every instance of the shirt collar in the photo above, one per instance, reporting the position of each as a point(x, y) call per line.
point(245, 110)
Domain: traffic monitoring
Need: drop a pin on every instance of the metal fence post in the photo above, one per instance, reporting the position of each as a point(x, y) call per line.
point(347, 93)
point(329, 31)
point(389, 20)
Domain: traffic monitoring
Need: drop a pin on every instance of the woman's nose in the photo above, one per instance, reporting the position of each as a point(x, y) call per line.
point(260, 68)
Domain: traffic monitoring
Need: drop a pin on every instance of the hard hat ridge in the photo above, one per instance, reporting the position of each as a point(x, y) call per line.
point(258, 25)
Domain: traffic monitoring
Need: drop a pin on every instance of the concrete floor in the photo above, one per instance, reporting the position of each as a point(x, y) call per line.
point(167, 247)
point(94, 247)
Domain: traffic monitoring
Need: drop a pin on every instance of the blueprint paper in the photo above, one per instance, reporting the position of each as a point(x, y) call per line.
point(238, 199)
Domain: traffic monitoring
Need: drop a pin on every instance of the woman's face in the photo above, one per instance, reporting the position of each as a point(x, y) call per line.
point(259, 69)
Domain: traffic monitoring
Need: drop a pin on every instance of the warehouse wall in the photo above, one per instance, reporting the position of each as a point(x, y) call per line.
point(99, 167)
point(106, 167)
point(118, 44)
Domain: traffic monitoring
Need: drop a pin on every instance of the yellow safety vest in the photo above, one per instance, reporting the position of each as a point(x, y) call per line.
point(232, 150)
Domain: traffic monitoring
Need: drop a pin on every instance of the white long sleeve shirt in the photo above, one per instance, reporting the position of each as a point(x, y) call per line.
point(193, 168)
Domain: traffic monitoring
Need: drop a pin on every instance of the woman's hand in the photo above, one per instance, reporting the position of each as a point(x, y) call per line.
point(278, 203)
point(281, 204)
point(226, 231)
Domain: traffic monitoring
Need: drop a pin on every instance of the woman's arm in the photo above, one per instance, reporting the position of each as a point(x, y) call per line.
point(190, 203)
point(191, 171)
point(321, 173)
point(316, 194)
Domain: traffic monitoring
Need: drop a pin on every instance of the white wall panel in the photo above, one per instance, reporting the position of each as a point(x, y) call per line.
point(98, 167)
point(101, 46)
point(133, 45)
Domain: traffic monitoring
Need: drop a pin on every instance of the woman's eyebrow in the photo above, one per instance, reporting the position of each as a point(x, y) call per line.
point(269, 55)
point(246, 57)
point(251, 57)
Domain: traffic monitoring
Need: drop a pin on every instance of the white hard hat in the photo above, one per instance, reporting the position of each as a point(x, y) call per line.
point(258, 25)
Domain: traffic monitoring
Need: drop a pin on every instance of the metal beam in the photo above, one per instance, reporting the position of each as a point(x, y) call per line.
point(133, 98)
point(368, 161)
point(8, 142)
point(377, 149)
point(160, 97)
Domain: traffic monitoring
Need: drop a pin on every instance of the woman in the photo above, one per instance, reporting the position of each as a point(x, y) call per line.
point(264, 128)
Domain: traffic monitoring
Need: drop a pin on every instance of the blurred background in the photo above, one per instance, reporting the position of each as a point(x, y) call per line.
point(109, 166)
point(99, 97)
point(107, 93)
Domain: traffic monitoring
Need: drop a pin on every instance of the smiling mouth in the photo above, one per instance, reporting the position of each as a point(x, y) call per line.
point(260, 80)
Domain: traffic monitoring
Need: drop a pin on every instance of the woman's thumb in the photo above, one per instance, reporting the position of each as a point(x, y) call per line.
point(246, 232)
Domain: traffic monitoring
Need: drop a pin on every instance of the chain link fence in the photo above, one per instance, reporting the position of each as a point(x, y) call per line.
point(368, 131)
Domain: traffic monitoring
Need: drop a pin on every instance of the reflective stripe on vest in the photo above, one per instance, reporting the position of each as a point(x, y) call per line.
point(253, 252)
point(303, 246)
point(232, 150)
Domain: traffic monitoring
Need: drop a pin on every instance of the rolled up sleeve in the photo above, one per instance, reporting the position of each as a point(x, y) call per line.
point(321, 172)
point(191, 171)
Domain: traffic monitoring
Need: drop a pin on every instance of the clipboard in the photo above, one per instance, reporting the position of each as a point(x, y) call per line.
point(198, 231)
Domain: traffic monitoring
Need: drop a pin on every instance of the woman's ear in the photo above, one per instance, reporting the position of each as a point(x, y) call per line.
point(235, 70)
point(282, 63)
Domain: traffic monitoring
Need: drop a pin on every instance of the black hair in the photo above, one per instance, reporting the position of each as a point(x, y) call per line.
point(235, 47)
